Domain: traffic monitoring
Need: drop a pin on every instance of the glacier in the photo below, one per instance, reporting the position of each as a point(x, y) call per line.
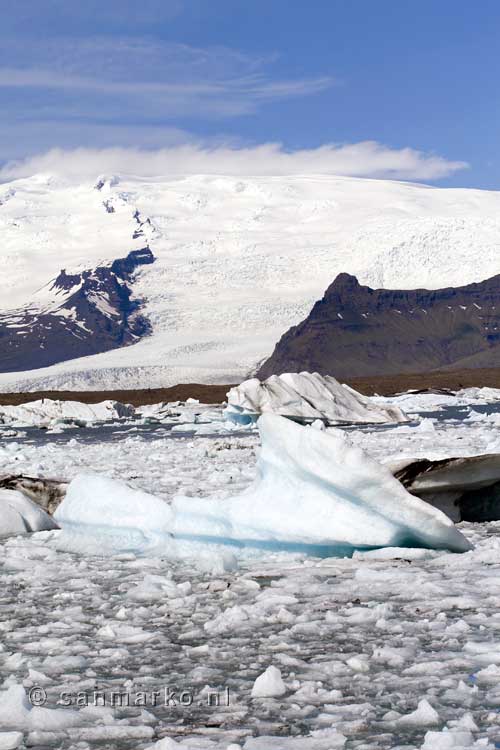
point(306, 397)
point(315, 493)
point(211, 323)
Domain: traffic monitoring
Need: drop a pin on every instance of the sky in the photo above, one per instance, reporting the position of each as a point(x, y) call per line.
point(376, 88)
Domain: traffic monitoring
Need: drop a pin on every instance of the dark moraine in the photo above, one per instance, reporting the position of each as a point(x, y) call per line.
point(96, 313)
point(356, 331)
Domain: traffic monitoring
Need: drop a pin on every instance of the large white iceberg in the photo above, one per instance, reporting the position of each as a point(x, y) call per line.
point(315, 493)
point(19, 515)
point(47, 412)
point(305, 397)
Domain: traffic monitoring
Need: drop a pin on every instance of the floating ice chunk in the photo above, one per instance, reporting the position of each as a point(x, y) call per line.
point(19, 515)
point(16, 712)
point(166, 744)
point(46, 411)
point(485, 653)
point(37, 678)
point(45, 739)
point(465, 722)
point(321, 739)
point(306, 397)
point(423, 716)
point(315, 493)
point(269, 684)
point(426, 425)
point(318, 424)
point(10, 740)
point(489, 675)
point(111, 734)
point(61, 664)
point(358, 664)
point(454, 740)
point(483, 395)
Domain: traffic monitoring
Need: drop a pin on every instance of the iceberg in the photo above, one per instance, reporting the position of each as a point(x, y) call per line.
point(305, 397)
point(466, 488)
point(315, 493)
point(19, 515)
point(46, 412)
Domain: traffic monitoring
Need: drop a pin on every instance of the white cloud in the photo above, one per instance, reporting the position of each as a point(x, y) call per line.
point(365, 159)
point(24, 139)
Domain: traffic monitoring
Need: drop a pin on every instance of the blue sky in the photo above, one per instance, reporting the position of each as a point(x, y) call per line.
point(382, 88)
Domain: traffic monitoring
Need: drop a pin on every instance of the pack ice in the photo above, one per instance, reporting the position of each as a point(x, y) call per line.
point(305, 397)
point(315, 493)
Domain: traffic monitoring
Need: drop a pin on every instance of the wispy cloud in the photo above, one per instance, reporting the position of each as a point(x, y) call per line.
point(106, 76)
point(40, 15)
point(365, 159)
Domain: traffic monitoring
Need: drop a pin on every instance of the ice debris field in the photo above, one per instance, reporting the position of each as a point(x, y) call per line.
point(219, 642)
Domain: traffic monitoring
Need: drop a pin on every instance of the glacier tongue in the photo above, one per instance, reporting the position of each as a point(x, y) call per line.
point(316, 493)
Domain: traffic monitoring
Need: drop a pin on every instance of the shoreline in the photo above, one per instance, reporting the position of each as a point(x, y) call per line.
point(383, 385)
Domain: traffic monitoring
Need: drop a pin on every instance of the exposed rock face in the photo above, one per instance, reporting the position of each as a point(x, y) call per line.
point(466, 488)
point(358, 331)
point(85, 313)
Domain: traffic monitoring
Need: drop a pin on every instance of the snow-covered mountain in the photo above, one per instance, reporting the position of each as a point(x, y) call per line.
point(237, 262)
point(76, 315)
